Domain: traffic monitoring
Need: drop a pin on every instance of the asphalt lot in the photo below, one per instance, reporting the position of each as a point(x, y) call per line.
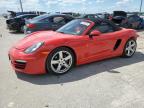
point(112, 83)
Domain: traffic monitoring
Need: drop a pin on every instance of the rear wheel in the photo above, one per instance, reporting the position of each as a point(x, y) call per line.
point(60, 61)
point(130, 48)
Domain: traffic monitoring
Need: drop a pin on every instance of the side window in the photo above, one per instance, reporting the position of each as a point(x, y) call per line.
point(104, 28)
point(45, 20)
point(59, 20)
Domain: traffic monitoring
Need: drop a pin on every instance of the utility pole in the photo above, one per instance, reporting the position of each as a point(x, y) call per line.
point(21, 5)
point(141, 6)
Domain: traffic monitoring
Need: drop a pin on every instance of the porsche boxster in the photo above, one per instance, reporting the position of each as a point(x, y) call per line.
point(79, 42)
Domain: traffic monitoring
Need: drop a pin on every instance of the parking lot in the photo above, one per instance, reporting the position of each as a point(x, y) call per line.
point(112, 83)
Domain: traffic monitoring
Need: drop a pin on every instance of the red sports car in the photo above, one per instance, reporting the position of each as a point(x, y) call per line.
point(79, 42)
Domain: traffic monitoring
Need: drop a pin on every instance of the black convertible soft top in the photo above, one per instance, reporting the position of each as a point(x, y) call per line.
point(100, 20)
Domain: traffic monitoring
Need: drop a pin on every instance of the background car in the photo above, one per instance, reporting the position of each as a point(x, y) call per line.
point(120, 18)
point(12, 14)
point(78, 42)
point(131, 20)
point(135, 22)
point(104, 15)
point(17, 23)
point(47, 22)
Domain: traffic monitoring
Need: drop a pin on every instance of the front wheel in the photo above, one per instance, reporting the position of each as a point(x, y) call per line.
point(130, 48)
point(60, 61)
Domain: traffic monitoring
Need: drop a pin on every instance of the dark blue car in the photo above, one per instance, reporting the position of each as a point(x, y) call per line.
point(47, 22)
point(135, 22)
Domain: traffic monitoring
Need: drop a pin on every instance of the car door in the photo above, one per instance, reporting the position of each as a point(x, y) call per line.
point(102, 46)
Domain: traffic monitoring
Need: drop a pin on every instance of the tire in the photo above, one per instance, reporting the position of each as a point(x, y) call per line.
point(130, 48)
point(60, 61)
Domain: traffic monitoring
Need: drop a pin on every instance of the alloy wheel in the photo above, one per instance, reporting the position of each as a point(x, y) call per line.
point(61, 62)
point(130, 48)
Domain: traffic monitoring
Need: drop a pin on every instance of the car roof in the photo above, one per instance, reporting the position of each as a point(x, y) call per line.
point(25, 15)
point(49, 15)
point(56, 14)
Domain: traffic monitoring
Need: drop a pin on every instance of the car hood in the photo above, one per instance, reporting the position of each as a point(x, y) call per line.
point(41, 36)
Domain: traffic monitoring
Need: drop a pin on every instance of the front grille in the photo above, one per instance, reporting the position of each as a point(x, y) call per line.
point(20, 64)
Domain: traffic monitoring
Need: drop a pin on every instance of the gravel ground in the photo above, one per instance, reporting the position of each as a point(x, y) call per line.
point(112, 83)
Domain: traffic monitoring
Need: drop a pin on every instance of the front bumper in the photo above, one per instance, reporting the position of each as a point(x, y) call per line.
point(27, 63)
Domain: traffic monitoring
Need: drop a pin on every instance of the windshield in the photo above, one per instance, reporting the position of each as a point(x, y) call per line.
point(75, 27)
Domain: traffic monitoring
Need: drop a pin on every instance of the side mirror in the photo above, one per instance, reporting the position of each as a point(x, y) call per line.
point(95, 33)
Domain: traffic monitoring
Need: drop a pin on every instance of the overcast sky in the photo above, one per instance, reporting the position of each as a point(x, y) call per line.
point(84, 6)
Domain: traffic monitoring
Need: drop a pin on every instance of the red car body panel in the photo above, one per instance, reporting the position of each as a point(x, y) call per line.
point(85, 48)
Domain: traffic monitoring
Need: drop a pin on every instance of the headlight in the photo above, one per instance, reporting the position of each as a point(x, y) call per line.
point(33, 48)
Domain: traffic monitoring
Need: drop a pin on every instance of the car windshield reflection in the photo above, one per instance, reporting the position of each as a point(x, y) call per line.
point(75, 27)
